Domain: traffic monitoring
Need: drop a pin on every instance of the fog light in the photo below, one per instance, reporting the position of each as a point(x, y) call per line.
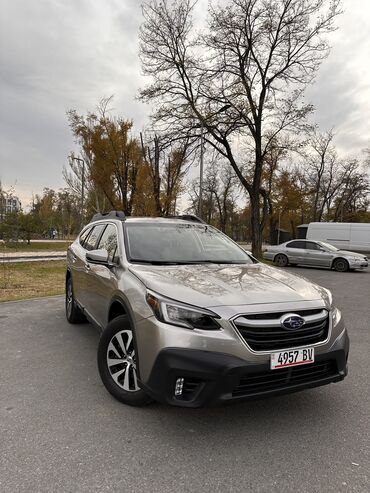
point(179, 385)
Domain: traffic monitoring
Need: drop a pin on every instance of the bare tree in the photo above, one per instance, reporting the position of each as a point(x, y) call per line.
point(323, 169)
point(220, 194)
point(244, 75)
point(168, 162)
point(353, 193)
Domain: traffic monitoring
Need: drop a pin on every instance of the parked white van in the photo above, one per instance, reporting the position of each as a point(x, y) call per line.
point(345, 236)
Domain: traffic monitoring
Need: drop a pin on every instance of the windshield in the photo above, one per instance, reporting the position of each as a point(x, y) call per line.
point(327, 246)
point(166, 243)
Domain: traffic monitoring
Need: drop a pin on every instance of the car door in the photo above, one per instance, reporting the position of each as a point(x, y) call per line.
point(315, 255)
point(295, 251)
point(102, 280)
point(86, 289)
point(76, 261)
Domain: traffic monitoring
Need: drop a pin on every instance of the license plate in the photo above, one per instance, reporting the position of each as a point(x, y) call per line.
point(293, 357)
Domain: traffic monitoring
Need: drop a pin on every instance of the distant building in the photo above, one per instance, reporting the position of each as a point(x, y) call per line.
point(9, 204)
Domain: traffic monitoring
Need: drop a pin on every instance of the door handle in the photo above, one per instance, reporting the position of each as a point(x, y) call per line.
point(74, 258)
point(87, 268)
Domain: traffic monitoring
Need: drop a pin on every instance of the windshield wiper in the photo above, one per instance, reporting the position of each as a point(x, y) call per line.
point(152, 262)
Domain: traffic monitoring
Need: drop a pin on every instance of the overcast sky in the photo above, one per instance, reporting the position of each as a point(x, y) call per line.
point(62, 54)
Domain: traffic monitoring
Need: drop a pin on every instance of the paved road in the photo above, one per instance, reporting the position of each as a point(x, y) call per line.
point(60, 431)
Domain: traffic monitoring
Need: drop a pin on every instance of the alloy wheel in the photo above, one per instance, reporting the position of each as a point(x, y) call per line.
point(281, 260)
point(121, 361)
point(341, 265)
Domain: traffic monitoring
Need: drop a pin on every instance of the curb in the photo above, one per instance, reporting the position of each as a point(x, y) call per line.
point(32, 258)
point(33, 299)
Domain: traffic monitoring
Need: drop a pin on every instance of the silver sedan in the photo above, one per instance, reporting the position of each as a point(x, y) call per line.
point(314, 253)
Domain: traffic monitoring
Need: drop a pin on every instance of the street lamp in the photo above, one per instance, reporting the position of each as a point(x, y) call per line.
point(201, 167)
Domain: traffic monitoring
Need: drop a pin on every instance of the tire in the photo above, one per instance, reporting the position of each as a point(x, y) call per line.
point(340, 265)
point(74, 314)
point(117, 342)
point(281, 260)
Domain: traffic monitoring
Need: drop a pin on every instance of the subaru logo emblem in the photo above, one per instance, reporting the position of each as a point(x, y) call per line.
point(291, 321)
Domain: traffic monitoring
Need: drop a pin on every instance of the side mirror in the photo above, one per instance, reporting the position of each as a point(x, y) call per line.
point(98, 257)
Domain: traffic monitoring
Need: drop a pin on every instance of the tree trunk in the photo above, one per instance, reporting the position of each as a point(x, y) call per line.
point(256, 225)
point(254, 194)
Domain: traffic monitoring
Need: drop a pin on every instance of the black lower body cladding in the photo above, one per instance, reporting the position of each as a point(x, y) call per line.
point(194, 378)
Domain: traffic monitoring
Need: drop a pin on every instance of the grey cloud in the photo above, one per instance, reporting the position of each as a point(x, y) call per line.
point(62, 54)
point(57, 55)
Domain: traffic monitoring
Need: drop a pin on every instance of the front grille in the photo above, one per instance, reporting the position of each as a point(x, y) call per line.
point(263, 332)
point(284, 378)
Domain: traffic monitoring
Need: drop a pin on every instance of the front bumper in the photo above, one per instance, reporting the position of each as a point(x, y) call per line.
point(212, 378)
point(358, 265)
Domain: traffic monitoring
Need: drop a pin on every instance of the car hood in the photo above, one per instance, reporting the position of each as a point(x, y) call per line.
point(347, 253)
point(221, 285)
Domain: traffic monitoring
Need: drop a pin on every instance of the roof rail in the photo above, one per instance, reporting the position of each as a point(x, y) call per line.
point(109, 215)
point(188, 217)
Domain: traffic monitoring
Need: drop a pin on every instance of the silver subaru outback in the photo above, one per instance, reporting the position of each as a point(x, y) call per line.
point(190, 319)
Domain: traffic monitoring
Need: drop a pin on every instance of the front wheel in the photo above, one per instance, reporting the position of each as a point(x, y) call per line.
point(340, 265)
point(117, 362)
point(281, 260)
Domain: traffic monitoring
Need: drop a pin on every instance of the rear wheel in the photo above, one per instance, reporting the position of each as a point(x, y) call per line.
point(281, 260)
point(117, 362)
point(340, 265)
point(73, 312)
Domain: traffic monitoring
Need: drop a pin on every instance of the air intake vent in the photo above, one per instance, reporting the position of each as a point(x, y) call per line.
point(257, 383)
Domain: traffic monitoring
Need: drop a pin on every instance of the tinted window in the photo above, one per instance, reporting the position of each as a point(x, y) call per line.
point(108, 241)
point(310, 245)
point(90, 242)
point(84, 235)
point(296, 244)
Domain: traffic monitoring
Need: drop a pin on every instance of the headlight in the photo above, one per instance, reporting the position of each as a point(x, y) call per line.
point(353, 259)
point(175, 313)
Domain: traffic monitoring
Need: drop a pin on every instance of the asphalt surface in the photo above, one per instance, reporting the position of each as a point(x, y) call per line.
point(60, 431)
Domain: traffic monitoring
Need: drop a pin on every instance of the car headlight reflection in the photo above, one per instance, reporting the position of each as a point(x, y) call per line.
point(175, 313)
point(329, 296)
point(336, 315)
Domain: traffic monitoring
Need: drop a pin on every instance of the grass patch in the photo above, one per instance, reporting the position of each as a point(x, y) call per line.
point(34, 247)
point(265, 261)
point(31, 279)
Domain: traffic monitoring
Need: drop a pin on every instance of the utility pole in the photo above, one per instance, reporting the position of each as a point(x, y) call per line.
point(278, 238)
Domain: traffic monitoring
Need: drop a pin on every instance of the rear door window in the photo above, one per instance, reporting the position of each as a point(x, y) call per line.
point(310, 245)
point(93, 237)
point(296, 244)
